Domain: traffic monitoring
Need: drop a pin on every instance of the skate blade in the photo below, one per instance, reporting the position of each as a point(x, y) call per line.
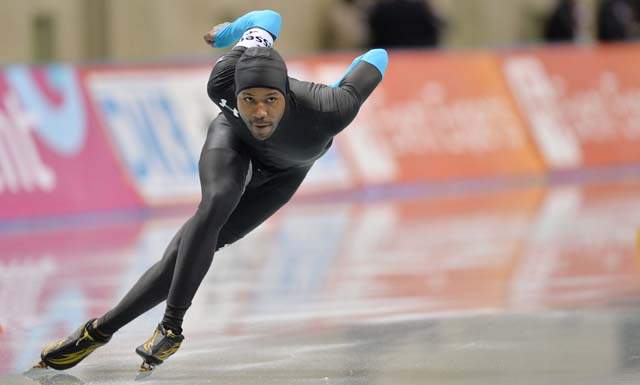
point(144, 371)
point(37, 371)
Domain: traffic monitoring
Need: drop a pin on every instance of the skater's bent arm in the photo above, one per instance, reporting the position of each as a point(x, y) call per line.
point(228, 33)
point(342, 100)
point(257, 28)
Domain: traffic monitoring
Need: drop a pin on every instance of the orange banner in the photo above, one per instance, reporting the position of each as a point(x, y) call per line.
point(583, 104)
point(435, 117)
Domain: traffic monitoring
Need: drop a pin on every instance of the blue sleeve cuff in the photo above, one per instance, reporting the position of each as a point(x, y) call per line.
point(377, 57)
point(268, 20)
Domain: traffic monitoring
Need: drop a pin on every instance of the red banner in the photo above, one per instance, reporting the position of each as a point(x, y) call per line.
point(436, 117)
point(75, 141)
point(54, 157)
point(583, 104)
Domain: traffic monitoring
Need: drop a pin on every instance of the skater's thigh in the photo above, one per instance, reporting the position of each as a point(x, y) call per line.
point(259, 203)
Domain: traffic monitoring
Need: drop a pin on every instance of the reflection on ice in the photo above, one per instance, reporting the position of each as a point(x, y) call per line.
point(499, 285)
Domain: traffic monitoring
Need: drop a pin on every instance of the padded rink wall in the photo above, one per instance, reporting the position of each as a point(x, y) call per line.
point(83, 139)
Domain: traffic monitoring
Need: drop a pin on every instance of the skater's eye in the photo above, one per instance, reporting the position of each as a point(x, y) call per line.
point(272, 100)
point(248, 99)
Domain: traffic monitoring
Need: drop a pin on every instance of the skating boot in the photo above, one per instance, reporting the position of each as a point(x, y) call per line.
point(160, 346)
point(68, 352)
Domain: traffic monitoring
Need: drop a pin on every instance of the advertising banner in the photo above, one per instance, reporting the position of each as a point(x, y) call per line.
point(582, 104)
point(103, 138)
point(157, 121)
point(54, 158)
point(433, 118)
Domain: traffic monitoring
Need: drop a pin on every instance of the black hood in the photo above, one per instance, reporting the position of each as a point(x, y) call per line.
point(261, 67)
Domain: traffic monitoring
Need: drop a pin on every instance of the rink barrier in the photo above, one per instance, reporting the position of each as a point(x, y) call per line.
point(582, 104)
point(114, 137)
point(435, 118)
point(54, 156)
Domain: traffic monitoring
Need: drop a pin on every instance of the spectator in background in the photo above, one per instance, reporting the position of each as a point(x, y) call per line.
point(346, 27)
point(562, 23)
point(404, 23)
point(617, 19)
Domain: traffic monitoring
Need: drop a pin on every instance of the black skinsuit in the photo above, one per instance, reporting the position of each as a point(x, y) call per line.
point(231, 208)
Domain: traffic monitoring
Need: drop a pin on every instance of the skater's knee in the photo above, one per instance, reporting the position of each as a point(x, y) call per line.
point(220, 200)
point(227, 237)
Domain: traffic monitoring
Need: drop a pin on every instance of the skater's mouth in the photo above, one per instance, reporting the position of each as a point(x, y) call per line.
point(262, 125)
point(262, 130)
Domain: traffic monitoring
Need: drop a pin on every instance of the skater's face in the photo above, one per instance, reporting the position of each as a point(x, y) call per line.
point(261, 110)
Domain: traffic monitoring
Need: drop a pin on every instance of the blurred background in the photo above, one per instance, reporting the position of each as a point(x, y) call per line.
point(88, 30)
point(477, 223)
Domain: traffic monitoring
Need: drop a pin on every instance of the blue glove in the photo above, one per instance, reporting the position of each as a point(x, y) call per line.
point(268, 20)
point(376, 57)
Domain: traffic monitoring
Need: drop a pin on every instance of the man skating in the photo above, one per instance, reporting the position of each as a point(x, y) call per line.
point(258, 150)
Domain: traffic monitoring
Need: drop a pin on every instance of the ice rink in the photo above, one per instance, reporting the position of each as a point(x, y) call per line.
point(518, 287)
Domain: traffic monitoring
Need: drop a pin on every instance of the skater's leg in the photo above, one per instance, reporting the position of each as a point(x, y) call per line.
point(222, 178)
point(259, 203)
point(151, 289)
point(256, 205)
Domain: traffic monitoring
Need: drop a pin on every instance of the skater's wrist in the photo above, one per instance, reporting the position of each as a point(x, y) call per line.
point(267, 20)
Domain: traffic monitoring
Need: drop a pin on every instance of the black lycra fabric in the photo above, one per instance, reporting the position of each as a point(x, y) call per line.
point(228, 210)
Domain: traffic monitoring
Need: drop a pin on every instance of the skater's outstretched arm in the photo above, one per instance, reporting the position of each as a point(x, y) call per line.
point(339, 103)
point(350, 92)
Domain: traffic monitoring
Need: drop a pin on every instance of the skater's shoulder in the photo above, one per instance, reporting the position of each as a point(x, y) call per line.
point(312, 97)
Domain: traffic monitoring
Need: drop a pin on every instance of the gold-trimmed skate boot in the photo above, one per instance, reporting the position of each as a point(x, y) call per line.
point(68, 352)
point(160, 346)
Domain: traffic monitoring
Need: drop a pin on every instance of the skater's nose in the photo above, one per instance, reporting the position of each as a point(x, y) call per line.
point(260, 112)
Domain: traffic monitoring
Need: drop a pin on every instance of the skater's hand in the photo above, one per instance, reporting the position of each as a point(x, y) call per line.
point(210, 37)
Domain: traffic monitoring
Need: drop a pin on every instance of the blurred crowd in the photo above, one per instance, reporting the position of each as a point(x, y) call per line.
point(617, 20)
point(386, 23)
point(80, 30)
point(417, 23)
